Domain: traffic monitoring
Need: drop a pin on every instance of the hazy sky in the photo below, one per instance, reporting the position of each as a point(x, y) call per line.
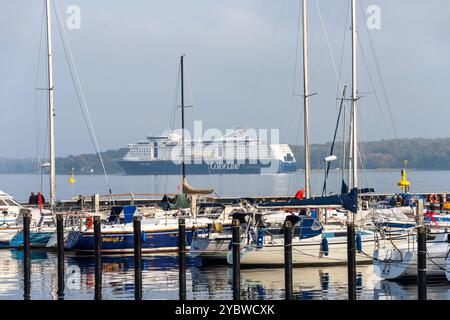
point(241, 63)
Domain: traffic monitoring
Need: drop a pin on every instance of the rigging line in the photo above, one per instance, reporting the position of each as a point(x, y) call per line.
point(175, 101)
point(294, 81)
point(80, 93)
point(341, 64)
point(334, 140)
point(37, 95)
point(378, 103)
point(328, 45)
point(333, 30)
point(383, 87)
point(186, 73)
point(266, 55)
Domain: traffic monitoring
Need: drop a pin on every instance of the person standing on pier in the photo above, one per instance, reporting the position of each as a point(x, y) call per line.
point(32, 200)
point(40, 200)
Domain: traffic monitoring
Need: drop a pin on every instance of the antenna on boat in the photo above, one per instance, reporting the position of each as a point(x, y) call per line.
point(305, 99)
point(51, 109)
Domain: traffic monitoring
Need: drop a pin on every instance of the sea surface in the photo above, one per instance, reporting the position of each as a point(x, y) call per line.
point(20, 185)
point(160, 280)
point(160, 272)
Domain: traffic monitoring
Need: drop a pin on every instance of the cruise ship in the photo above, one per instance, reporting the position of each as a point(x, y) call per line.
point(233, 153)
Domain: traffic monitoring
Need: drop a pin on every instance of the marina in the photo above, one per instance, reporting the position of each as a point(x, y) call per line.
point(240, 215)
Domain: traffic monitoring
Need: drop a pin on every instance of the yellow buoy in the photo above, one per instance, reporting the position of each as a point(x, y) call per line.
point(72, 177)
point(404, 183)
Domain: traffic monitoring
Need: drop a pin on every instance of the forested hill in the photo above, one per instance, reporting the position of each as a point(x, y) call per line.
point(422, 154)
point(82, 164)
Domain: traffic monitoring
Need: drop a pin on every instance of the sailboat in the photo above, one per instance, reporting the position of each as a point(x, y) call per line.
point(160, 233)
point(42, 230)
point(330, 247)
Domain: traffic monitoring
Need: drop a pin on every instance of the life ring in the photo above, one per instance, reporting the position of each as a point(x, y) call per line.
point(89, 222)
point(433, 198)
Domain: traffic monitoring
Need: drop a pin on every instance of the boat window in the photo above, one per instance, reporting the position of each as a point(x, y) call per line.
point(11, 203)
point(155, 150)
point(2, 203)
point(288, 157)
point(316, 226)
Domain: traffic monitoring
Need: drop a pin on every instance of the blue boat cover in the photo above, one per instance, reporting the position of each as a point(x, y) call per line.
point(128, 213)
point(348, 201)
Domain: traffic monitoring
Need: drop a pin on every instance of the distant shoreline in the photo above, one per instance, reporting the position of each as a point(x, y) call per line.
point(293, 173)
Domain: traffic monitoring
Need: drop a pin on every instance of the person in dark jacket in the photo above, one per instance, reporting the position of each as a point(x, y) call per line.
point(32, 199)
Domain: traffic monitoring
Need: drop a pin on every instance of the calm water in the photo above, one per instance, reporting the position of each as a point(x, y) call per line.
point(160, 280)
point(20, 186)
point(160, 275)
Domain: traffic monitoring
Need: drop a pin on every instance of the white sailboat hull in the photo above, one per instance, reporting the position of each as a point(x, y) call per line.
point(306, 252)
point(214, 249)
point(393, 264)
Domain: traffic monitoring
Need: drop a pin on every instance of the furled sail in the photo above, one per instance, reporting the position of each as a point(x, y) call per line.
point(348, 201)
point(187, 189)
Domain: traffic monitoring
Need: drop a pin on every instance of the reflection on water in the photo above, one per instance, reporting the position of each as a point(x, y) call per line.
point(160, 280)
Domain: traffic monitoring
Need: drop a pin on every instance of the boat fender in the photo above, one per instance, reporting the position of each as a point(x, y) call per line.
point(358, 243)
point(218, 226)
point(260, 238)
point(89, 222)
point(324, 246)
point(433, 198)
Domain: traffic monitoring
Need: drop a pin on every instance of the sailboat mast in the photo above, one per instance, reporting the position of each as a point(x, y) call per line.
point(305, 99)
point(51, 108)
point(354, 98)
point(182, 116)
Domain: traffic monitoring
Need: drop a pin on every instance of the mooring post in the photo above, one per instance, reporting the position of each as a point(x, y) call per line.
point(26, 213)
point(288, 259)
point(351, 260)
point(98, 257)
point(60, 253)
point(137, 258)
point(236, 241)
point(182, 257)
point(421, 254)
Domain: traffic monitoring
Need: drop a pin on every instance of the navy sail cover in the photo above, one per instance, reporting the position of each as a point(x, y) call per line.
point(348, 201)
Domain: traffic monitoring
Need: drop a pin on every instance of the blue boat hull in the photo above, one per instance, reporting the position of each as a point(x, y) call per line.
point(123, 242)
point(37, 239)
point(166, 167)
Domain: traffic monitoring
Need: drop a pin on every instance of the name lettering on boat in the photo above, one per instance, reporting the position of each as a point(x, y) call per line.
point(224, 166)
point(113, 239)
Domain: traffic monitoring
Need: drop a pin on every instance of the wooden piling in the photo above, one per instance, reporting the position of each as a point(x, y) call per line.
point(182, 258)
point(351, 261)
point(421, 253)
point(422, 262)
point(236, 241)
point(288, 259)
point(137, 258)
point(98, 257)
point(26, 253)
point(60, 253)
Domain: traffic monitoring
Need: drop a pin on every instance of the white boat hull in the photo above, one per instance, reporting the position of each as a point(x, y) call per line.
point(307, 252)
point(214, 249)
point(393, 264)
